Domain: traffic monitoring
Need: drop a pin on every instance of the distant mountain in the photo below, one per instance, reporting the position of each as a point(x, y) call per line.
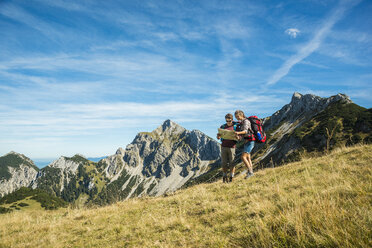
point(160, 161)
point(16, 171)
point(69, 178)
point(42, 162)
point(96, 159)
point(154, 163)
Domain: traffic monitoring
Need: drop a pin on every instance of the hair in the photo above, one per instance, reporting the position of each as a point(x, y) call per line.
point(240, 112)
point(229, 116)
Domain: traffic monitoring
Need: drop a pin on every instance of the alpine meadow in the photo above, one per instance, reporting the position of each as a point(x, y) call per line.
point(317, 202)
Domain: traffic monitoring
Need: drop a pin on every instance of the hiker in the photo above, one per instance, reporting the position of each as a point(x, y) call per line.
point(246, 132)
point(228, 149)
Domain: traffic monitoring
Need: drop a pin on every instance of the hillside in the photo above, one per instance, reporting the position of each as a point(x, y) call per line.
point(30, 199)
point(316, 202)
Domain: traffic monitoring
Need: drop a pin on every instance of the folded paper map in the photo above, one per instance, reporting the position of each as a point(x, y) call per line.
point(227, 134)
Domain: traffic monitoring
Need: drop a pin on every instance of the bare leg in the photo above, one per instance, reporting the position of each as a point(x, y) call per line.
point(246, 157)
point(250, 168)
point(245, 160)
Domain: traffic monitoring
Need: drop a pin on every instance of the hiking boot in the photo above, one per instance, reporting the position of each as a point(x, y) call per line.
point(249, 174)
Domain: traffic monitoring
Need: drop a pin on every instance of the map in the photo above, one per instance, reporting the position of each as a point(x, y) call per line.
point(227, 134)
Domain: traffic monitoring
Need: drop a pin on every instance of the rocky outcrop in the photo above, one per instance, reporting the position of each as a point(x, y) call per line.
point(16, 171)
point(283, 123)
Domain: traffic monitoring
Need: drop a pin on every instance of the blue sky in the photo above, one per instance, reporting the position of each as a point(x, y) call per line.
point(87, 76)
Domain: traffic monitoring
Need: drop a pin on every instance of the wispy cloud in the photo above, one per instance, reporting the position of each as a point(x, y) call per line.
point(58, 121)
point(71, 119)
point(314, 43)
point(20, 15)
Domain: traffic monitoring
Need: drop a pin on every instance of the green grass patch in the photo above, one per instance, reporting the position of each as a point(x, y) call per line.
point(26, 198)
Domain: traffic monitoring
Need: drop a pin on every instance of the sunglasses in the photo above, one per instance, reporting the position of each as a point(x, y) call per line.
point(228, 120)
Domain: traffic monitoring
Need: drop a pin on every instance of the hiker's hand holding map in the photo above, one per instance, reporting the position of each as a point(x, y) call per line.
point(227, 134)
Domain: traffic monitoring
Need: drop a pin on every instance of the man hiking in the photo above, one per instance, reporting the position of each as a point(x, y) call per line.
point(246, 132)
point(228, 149)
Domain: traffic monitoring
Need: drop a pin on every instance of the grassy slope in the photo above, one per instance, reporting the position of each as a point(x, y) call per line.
point(317, 202)
point(30, 199)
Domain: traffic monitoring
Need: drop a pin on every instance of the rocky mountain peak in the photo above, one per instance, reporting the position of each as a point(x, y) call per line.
point(66, 163)
point(302, 107)
point(18, 155)
point(120, 151)
point(308, 99)
point(340, 97)
point(169, 128)
point(296, 96)
point(168, 123)
point(20, 159)
point(13, 153)
point(164, 159)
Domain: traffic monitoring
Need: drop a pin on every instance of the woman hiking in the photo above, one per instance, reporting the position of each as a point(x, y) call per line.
point(247, 133)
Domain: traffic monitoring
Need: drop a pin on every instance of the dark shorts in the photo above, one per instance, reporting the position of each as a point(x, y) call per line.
point(248, 147)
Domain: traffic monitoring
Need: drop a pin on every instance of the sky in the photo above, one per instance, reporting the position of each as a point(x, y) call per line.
point(86, 76)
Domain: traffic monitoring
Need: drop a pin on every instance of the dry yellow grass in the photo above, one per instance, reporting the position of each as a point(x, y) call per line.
point(318, 202)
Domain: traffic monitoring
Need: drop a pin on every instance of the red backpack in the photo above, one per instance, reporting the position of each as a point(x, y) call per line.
point(257, 128)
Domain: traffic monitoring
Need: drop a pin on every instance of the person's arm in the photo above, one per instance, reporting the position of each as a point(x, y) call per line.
point(218, 134)
point(245, 127)
point(241, 132)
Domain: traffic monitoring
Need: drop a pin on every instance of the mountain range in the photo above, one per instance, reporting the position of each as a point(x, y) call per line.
point(171, 157)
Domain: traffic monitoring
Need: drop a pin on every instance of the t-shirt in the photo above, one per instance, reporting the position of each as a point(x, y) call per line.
point(245, 125)
point(225, 142)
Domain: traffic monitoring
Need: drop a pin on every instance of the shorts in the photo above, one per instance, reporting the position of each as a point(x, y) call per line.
point(227, 157)
point(248, 147)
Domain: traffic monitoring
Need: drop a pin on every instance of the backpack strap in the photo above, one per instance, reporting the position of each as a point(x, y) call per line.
point(235, 124)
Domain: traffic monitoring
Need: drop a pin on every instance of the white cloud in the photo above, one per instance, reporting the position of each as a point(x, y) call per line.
point(292, 32)
point(71, 123)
